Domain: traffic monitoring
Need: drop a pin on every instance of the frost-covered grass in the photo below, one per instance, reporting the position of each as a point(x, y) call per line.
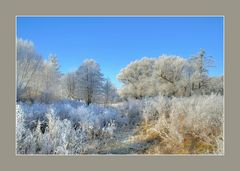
point(157, 125)
point(188, 125)
point(64, 127)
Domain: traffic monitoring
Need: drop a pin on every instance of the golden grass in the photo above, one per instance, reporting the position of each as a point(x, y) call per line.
point(163, 142)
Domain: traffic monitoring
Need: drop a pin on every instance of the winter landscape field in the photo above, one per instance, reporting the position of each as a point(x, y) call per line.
point(165, 104)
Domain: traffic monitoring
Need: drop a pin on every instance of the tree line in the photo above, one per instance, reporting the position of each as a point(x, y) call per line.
point(41, 80)
point(170, 76)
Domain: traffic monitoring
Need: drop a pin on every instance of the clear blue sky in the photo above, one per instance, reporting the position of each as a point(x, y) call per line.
point(116, 41)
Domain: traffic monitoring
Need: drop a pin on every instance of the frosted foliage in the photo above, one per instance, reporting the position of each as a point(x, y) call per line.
point(64, 127)
point(109, 92)
point(37, 79)
point(19, 123)
point(168, 71)
point(50, 77)
point(132, 110)
point(136, 76)
point(178, 118)
point(206, 108)
point(24, 136)
point(89, 81)
point(169, 68)
point(154, 108)
point(169, 75)
point(28, 62)
point(149, 76)
point(69, 85)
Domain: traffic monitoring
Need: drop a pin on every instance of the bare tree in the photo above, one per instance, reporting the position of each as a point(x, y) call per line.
point(199, 77)
point(28, 62)
point(109, 92)
point(89, 81)
point(69, 84)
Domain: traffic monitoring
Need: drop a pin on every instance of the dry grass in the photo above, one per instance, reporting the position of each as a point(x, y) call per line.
point(168, 137)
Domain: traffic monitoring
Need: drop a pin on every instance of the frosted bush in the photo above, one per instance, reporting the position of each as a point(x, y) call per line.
point(20, 127)
point(110, 128)
point(205, 110)
point(24, 137)
point(132, 109)
point(179, 124)
point(193, 124)
point(155, 107)
point(64, 127)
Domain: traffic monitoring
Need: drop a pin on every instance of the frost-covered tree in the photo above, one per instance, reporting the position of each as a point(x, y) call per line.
point(109, 92)
point(36, 79)
point(137, 78)
point(149, 77)
point(51, 79)
point(199, 77)
point(168, 74)
point(215, 85)
point(70, 85)
point(89, 81)
point(28, 63)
